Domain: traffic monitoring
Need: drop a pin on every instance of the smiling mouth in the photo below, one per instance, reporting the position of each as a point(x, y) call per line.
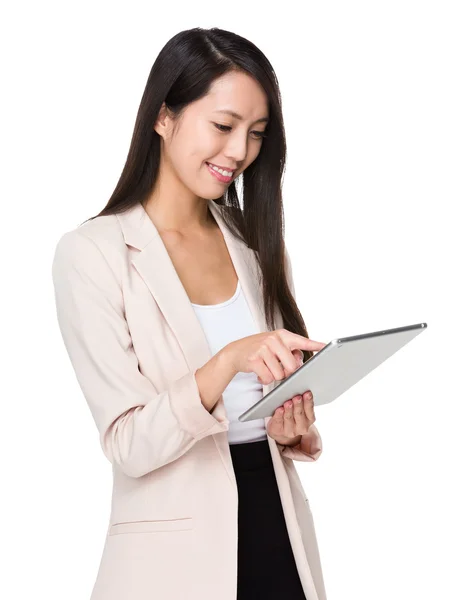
point(219, 176)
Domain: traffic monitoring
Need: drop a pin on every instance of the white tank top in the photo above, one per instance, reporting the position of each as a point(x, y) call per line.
point(224, 323)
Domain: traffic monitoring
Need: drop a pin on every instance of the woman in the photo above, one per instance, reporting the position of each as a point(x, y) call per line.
point(178, 313)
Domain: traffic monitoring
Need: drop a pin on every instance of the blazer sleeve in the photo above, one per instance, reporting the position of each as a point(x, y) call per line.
point(140, 430)
point(310, 447)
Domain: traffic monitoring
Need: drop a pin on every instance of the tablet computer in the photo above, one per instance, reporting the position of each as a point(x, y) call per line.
point(335, 368)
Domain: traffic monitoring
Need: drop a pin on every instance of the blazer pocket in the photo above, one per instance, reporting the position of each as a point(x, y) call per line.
point(182, 524)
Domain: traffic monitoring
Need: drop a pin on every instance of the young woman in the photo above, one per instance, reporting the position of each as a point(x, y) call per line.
point(177, 308)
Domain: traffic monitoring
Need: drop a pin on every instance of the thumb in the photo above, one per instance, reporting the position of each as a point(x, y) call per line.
point(299, 355)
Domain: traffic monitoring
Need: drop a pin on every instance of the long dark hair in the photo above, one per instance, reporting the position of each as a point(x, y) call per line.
point(182, 73)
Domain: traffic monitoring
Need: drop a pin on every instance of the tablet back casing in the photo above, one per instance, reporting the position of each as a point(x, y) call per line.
point(336, 368)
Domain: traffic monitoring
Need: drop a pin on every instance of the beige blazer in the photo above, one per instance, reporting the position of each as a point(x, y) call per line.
point(135, 343)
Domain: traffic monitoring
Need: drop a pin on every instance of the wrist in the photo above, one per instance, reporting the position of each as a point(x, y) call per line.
point(225, 357)
point(284, 441)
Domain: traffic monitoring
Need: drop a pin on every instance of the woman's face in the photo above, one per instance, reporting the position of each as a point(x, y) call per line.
point(205, 134)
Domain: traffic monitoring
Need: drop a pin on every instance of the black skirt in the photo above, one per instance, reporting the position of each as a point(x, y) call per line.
point(266, 565)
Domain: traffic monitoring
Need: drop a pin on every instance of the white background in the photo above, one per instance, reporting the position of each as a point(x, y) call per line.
point(366, 91)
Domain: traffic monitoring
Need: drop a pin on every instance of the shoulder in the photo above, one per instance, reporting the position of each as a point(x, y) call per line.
point(96, 243)
point(104, 232)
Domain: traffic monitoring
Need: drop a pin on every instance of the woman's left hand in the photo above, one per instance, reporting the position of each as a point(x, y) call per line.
point(293, 419)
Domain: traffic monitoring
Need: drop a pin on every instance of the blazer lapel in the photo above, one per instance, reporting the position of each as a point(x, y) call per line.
point(154, 265)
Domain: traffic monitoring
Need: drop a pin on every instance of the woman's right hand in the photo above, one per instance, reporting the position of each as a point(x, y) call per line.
point(272, 355)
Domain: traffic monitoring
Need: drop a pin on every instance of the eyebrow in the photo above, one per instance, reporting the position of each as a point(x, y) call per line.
point(240, 118)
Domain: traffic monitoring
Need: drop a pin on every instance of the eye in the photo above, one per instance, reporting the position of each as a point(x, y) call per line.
point(222, 127)
point(225, 128)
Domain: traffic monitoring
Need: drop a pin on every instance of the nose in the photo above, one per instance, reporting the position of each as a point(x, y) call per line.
point(236, 150)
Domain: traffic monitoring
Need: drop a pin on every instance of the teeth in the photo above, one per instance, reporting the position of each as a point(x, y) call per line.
point(225, 173)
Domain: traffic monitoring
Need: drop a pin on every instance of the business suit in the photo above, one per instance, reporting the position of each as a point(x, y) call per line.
point(134, 340)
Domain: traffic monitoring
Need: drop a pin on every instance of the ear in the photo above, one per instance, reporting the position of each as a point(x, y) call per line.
point(163, 122)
